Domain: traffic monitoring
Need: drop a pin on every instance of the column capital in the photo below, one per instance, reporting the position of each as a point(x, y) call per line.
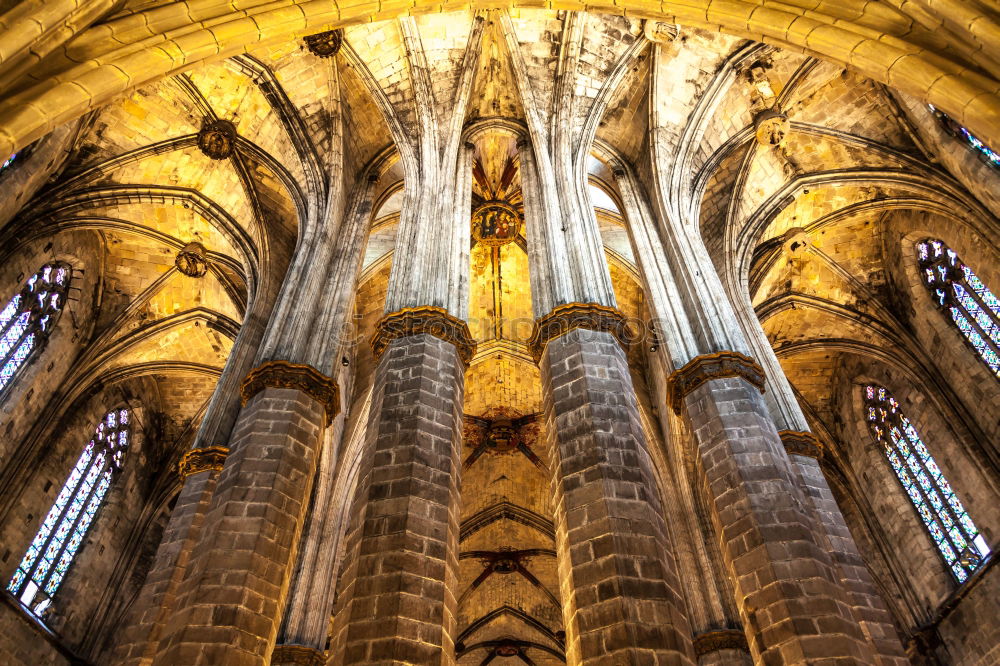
point(571, 316)
point(724, 639)
point(703, 368)
point(201, 460)
point(299, 376)
point(801, 443)
point(300, 655)
point(425, 319)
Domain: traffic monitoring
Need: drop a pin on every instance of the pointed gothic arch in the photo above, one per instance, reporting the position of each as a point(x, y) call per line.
point(953, 532)
point(29, 318)
point(52, 551)
point(963, 298)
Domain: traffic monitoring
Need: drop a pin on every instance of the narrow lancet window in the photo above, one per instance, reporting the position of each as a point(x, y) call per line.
point(968, 302)
point(29, 317)
point(62, 532)
point(959, 541)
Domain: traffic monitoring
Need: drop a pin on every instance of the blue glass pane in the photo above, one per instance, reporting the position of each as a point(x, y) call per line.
point(8, 312)
point(942, 513)
point(64, 530)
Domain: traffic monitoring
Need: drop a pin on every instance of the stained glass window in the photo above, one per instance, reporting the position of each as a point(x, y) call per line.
point(951, 126)
point(957, 539)
point(51, 553)
point(28, 318)
point(7, 162)
point(969, 304)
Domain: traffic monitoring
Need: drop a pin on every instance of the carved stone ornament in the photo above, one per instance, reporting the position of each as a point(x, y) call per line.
point(801, 443)
point(725, 639)
point(202, 460)
point(703, 368)
point(217, 138)
point(298, 376)
point(428, 319)
point(771, 127)
point(325, 44)
point(660, 32)
point(192, 260)
point(495, 223)
point(569, 317)
point(300, 655)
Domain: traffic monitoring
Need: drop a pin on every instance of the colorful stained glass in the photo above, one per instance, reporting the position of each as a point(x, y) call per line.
point(64, 529)
point(949, 526)
point(950, 125)
point(970, 305)
point(30, 316)
point(7, 162)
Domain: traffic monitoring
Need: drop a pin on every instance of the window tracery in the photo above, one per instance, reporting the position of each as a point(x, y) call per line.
point(57, 541)
point(957, 538)
point(970, 305)
point(29, 317)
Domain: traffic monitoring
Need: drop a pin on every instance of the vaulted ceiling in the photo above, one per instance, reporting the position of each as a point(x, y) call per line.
point(807, 232)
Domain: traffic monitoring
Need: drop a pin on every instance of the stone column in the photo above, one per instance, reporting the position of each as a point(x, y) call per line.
point(621, 597)
point(397, 600)
point(239, 573)
point(805, 452)
point(199, 472)
point(793, 607)
point(402, 560)
point(239, 577)
point(307, 623)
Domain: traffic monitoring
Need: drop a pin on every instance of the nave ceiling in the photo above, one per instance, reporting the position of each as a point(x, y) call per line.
point(811, 232)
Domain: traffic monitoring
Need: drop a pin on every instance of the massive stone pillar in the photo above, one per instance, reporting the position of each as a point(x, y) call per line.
point(310, 602)
point(199, 472)
point(403, 557)
point(793, 607)
point(621, 598)
point(805, 453)
point(397, 601)
point(236, 584)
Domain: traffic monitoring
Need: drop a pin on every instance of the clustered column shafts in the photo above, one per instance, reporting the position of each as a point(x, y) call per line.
point(621, 598)
point(240, 570)
point(792, 606)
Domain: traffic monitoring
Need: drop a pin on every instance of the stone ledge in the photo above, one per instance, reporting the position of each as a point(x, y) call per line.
point(429, 320)
point(801, 443)
point(706, 367)
point(572, 316)
point(299, 376)
point(202, 460)
point(300, 655)
point(724, 639)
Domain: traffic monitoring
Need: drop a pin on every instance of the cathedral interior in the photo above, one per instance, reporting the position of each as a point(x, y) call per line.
point(543, 333)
